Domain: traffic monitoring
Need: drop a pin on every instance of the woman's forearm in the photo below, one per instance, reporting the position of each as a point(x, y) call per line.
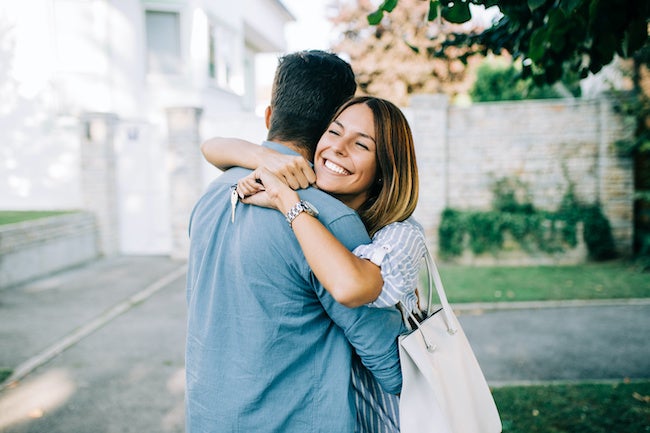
point(224, 153)
point(350, 280)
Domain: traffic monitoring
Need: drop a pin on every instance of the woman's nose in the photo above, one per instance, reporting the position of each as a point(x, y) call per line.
point(339, 147)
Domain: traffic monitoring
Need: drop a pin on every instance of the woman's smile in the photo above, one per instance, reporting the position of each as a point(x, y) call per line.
point(335, 167)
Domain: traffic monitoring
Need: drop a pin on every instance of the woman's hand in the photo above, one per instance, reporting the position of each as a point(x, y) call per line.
point(263, 188)
point(293, 170)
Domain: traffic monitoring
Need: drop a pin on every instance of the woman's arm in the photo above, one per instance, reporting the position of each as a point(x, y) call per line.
point(225, 153)
point(350, 280)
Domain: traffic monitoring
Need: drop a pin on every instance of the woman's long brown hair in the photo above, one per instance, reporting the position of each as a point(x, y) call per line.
point(394, 195)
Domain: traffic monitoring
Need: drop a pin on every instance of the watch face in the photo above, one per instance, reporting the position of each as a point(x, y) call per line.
point(310, 208)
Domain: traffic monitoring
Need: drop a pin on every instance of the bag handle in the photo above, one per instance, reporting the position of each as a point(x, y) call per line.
point(434, 281)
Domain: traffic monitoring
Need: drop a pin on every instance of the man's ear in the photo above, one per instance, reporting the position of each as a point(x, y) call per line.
point(267, 116)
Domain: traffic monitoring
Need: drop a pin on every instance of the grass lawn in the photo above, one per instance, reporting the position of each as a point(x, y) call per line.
point(584, 408)
point(15, 216)
point(605, 280)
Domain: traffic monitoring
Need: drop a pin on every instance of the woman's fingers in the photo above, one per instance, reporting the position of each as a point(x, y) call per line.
point(310, 175)
point(249, 185)
point(294, 171)
point(259, 199)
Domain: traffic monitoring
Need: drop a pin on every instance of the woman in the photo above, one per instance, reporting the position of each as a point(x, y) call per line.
point(366, 159)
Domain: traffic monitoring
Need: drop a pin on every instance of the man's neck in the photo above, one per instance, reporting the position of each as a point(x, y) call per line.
point(299, 149)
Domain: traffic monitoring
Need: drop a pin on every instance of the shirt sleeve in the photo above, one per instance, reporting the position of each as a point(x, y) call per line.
point(397, 249)
point(372, 332)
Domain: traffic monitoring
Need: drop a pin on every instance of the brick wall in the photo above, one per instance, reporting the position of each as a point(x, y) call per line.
point(548, 145)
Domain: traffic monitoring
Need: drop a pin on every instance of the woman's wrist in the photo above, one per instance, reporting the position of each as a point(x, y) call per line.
point(287, 200)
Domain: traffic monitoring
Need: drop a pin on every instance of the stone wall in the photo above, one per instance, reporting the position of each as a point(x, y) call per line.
point(35, 248)
point(462, 151)
point(547, 145)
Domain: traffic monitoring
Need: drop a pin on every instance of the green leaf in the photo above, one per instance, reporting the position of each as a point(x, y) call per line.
point(537, 45)
point(635, 36)
point(569, 6)
point(388, 5)
point(375, 17)
point(557, 41)
point(645, 146)
point(433, 10)
point(534, 4)
point(606, 47)
point(457, 13)
point(413, 48)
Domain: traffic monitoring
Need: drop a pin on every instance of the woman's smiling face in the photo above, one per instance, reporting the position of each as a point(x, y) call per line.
point(346, 156)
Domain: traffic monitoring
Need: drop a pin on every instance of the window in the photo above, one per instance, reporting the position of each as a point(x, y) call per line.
point(221, 55)
point(163, 42)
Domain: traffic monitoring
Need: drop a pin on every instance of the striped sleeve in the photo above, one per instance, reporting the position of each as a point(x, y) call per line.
point(397, 249)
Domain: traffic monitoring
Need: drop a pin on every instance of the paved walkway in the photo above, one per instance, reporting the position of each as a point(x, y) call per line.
point(100, 348)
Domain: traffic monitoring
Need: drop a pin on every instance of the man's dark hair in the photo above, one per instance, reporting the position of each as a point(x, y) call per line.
point(308, 88)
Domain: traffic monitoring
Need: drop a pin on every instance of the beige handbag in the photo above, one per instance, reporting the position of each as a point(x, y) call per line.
point(443, 390)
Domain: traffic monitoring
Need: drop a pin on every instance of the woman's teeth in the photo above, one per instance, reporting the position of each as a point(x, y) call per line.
point(335, 168)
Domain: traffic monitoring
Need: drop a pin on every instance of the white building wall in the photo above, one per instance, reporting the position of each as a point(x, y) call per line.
point(60, 59)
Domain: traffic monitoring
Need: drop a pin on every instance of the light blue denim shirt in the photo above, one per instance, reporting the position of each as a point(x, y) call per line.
point(268, 350)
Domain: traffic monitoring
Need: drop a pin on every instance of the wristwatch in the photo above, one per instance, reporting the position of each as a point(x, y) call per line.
point(301, 206)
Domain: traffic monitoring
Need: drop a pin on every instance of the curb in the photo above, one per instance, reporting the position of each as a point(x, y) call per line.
point(473, 307)
point(88, 328)
point(615, 381)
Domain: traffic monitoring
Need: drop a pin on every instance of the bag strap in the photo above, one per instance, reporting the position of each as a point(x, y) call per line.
point(434, 281)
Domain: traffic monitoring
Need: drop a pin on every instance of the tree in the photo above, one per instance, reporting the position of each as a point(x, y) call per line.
point(500, 81)
point(403, 54)
point(549, 37)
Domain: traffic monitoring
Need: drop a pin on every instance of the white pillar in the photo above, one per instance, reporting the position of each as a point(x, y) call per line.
point(98, 179)
point(429, 123)
point(185, 180)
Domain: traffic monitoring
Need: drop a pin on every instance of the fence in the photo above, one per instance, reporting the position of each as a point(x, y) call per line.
point(549, 145)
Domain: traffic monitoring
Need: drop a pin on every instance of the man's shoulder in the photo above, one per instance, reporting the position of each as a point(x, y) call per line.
point(228, 178)
point(341, 220)
point(329, 208)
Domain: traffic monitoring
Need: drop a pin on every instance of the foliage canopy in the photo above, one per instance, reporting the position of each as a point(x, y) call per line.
point(548, 36)
point(402, 55)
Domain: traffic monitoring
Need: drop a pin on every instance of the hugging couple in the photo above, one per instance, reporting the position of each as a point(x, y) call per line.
point(303, 260)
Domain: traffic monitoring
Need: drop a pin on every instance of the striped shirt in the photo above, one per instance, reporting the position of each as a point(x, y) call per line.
point(397, 249)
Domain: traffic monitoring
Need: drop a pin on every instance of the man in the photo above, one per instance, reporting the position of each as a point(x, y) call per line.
point(268, 350)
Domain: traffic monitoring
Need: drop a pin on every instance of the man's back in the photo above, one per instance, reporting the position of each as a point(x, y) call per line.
point(267, 347)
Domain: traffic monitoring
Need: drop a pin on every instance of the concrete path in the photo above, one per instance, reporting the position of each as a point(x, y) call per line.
point(100, 348)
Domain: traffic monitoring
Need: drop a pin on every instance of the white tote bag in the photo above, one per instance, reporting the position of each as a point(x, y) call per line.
point(443, 390)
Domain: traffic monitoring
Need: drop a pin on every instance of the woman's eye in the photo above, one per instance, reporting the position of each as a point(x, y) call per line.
point(363, 146)
point(331, 131)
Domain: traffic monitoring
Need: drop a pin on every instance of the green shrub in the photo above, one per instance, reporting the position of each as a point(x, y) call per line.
point(598, 234)
point(532, 229)
point(451, 233)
